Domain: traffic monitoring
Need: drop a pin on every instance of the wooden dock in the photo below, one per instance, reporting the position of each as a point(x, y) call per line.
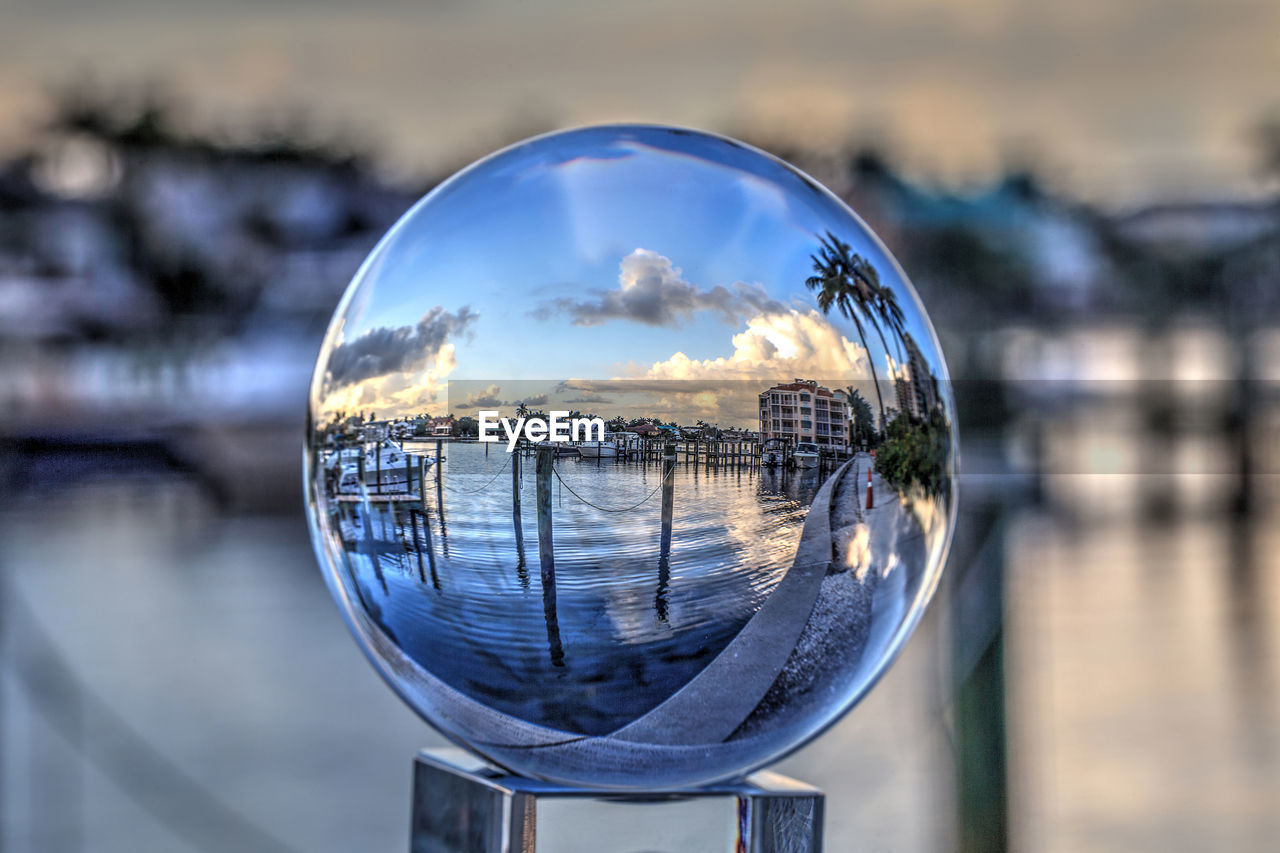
point(376, 498)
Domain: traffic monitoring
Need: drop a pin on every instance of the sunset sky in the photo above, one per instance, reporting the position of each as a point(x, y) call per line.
point(1122, 102)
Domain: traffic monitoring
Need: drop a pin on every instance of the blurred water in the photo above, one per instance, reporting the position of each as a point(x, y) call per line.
point(213, 640)
point(1144, 667)
point(1143, 662)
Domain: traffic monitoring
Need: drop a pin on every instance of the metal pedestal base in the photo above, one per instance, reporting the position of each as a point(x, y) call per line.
point(463, 805)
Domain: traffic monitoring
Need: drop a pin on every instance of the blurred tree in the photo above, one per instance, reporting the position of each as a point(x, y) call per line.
point(1267, 135)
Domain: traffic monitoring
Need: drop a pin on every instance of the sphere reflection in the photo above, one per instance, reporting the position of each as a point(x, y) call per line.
point(631, 457)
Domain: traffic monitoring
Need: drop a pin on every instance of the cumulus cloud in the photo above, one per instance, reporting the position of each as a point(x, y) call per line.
point(397, 393)
point(394, 371)
point(775, 346)
point(385, 350)
point(652, 291)
point(485, 399)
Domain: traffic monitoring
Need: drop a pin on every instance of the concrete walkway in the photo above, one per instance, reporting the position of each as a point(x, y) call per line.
point(710, 707)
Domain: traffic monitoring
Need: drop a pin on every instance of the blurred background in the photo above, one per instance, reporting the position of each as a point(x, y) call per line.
point(1086, 195)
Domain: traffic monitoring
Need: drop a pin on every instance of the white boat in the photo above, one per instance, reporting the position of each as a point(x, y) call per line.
point(341, 458)
point(387, 470)
point(607, 449)
point(805, 455)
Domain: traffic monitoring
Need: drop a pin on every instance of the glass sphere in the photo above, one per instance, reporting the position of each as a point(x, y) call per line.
point(631, 458)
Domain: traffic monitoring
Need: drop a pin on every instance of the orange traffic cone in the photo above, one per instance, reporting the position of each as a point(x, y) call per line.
point(870, 502)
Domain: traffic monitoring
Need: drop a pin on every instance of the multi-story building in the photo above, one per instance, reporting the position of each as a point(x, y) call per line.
point(803, 410)
point(915, 384)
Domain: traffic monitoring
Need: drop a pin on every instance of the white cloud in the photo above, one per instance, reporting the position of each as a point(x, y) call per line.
point(776, 346)
point(652, 291)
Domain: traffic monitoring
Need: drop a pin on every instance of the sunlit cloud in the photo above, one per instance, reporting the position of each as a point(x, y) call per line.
point(775, 346)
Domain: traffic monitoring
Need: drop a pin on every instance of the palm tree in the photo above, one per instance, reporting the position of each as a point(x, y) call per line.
point(891, 312)
point(860, 416)
point(848, 282)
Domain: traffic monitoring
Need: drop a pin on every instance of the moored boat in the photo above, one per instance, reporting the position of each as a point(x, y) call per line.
point(388, 469)
point(805, 455)
point(607, 449)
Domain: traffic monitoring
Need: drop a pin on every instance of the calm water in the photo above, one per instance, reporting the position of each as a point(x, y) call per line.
point(459, 587)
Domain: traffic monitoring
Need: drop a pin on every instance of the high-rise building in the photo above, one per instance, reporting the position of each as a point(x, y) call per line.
point(803, 410)
point(915, 384)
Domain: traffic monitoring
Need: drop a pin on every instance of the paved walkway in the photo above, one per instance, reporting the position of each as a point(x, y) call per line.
point(711, 707)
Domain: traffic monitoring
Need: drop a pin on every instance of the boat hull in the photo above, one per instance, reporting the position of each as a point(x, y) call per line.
point(598, 450)
point(389, 480)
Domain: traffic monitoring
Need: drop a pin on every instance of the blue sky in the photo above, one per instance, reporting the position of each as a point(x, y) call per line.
point(611, 264)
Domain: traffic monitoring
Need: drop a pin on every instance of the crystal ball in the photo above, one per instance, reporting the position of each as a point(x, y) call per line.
point(631, 458)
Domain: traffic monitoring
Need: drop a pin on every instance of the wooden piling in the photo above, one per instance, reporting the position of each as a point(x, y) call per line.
point(515, 486)
point(440, 482)
point(668, 497)
point(522, 573)
point(546, 554)
point(417, 546)
point(546, 550)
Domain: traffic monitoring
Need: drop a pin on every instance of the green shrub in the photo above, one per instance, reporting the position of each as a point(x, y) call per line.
point(915, 453)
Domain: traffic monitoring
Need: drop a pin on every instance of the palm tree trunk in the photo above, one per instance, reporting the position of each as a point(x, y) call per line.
point(871, 362)
point(883, 342)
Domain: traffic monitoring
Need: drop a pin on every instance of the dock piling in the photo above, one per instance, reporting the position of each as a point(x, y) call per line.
point(668, 496)
point(546, 550)
point(546, 554)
